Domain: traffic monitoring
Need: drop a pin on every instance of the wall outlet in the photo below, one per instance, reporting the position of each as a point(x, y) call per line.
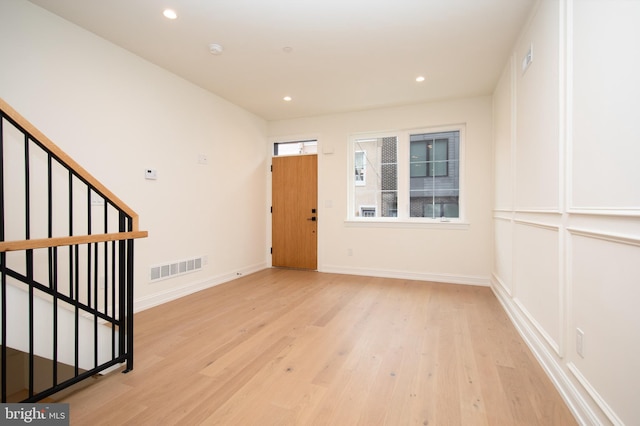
point(580, 342)
point(349, 252)
point(151, 174)
point(203, 159)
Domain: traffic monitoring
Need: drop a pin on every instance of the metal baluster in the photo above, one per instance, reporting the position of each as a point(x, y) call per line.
point(3, 260)
point(76, 303)
point(129, 306)
point(53, 271)
point(54, 285)
point(106, 258)
point(88, 247)
point(95, 305)
point(29, 257)
point(71, 265)
point(3, 278)
point(113, 299)
point(122, 293)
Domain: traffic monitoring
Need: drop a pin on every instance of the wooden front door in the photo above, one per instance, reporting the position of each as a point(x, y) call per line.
point(294, 231)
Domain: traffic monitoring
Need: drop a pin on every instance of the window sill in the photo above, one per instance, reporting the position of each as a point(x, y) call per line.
point(395, 223)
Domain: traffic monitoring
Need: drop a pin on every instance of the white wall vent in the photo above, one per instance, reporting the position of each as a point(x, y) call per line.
point(181, 267)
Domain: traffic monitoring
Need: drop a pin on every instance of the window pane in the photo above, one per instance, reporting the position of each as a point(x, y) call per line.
point(434, 207)
point(440, 149)
point(418, 169)
point(435, 194)
point(295, 148)
point(376, 195)
point(438, 157)
point(390, 204)
point(418, 160)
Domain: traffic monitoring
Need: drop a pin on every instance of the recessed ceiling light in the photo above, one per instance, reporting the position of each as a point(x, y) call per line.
point(215, 49)
point(287, 98)
point(287, 49)
point(420, 79)
point(170, 14)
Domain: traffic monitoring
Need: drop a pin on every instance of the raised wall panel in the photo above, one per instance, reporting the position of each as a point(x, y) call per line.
point(503, 258)
point(606, 101)
point(537, 114)
point(605, 290)
point(536, 275)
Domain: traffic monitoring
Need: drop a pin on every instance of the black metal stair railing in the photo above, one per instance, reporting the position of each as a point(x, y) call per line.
point(66, 266)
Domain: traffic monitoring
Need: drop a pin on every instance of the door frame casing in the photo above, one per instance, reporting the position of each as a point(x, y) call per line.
point(269, 199)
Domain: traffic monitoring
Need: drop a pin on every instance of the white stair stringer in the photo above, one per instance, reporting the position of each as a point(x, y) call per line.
point(18, 331)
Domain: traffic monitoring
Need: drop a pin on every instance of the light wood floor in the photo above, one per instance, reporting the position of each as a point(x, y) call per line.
point(285, 347)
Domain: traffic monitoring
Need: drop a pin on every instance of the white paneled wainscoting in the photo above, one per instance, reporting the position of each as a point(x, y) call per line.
point(566, 214)
point(558, 281)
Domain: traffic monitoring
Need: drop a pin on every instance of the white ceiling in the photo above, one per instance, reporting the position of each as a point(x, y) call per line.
point(346, 54)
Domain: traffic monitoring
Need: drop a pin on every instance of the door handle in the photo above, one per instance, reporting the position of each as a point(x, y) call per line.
point(313, 219)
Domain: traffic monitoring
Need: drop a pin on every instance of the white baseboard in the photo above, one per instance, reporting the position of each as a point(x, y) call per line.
point(581, 409)
point(419, 276)
point(165, 296)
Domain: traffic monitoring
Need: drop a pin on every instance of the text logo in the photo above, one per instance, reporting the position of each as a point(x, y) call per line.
point(34, 414)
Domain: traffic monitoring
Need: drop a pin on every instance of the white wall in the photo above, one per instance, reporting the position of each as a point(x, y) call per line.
point(117, 114)
point(567, 203)
point(419, 252)
point(566, 208)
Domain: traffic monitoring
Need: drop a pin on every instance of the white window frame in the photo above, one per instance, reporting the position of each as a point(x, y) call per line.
point(403, 219)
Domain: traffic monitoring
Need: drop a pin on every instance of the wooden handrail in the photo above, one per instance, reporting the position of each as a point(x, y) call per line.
point(69, 241)
point(68, 161)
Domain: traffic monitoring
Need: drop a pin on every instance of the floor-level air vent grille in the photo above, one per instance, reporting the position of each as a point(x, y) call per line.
point(170, 270)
